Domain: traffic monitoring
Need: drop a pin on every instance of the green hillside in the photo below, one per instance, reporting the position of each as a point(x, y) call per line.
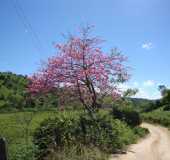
point(12, 90)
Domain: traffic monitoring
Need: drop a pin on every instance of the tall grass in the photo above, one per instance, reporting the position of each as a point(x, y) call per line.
point(158, 116)
point(17, 128)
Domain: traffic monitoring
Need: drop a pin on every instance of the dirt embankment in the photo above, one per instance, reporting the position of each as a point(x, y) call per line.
point(156, 146)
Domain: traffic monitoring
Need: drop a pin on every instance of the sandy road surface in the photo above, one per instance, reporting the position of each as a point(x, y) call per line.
point(155, 146)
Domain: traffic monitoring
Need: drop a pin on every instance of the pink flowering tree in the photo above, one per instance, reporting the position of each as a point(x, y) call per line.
point(83, 69)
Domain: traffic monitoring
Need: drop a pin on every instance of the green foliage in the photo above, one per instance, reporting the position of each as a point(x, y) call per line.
point(12, 90)
point(56, 132)
point(166, 107)
point(14, 128)
point(158, 116)
point(24, 152)
point(130, 92)
point(48, 100)
point(166, 97)
point(14, 95)
point(127, 114)
point(164, 102)
point(160, 112)
point(107, 100)
point(152, 106)
point(140, 104)
point(140, 132)
point(72, 153)
point(104, 132)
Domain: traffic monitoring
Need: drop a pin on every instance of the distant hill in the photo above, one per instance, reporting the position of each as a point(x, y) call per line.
point(141, 101)
point(12, 90)
point(141, 104)
point(14, 95)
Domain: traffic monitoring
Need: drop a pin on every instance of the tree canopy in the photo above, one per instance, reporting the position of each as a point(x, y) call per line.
point(12, 89)
point(82, 68)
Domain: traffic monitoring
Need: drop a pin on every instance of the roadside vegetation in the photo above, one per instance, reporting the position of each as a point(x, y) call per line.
point(159, 111)
point(22, 128)
point(30, 135)
point(158, 116)
point(17, 128)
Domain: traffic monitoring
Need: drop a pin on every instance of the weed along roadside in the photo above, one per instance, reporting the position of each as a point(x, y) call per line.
point(3, 149)
point(72, 127)
point(152, 147)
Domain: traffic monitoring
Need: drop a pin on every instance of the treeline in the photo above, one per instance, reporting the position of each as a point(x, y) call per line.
point(12, 90)
point(14, 94)
point(164, 102)
point(159, 111)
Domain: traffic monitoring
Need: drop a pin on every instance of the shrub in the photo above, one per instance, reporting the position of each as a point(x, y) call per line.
point(88, 153)
point(128, 115)
point(166, 107)
point(155, 104)
point(158, 116)
point(24, 152)
point(104, 132)
point(140, 132)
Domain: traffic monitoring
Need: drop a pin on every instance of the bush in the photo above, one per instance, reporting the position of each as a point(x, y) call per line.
point(88, 153)
point(128, 115)
point(12, 90)
point(158, 116)
point(105, 133)
point(140, 132)
point(24, 152)
point(166, 107)
point(153, 105)
point(14, 128)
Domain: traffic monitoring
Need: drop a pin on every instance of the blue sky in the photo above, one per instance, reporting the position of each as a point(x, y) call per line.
point(139, 28)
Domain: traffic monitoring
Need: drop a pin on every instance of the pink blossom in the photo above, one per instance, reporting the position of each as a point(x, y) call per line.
point(84, 68)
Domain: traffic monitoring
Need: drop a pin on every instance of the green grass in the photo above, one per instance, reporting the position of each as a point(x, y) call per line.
point(158, 116)
point(87, 153)
point(17, 128)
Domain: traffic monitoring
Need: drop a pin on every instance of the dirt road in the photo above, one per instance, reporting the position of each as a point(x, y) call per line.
point(155, 146)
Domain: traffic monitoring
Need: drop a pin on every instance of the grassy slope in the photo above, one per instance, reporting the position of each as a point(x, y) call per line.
point(158, 116)
point(13, 127)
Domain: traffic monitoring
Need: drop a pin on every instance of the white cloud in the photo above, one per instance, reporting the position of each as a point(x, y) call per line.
point(126, 86)
point(147, 89)
point(135, 84)
point(147, 46)
point(123, 87)
point(149, 83)
point(143, 93)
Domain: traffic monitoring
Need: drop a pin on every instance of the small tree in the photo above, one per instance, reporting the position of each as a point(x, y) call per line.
point(83, 70)
point(165, 92)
